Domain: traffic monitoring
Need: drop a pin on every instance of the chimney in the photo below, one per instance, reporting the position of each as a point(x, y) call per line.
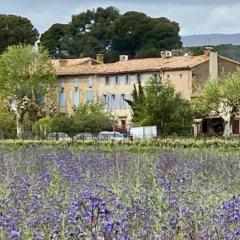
point(162, 53)
point(207, 51)
point(100, 57)
point(166, 54)
point(213, 66)
point(123, 57)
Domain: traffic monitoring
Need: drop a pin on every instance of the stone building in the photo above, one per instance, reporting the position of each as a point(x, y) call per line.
point(85, 80)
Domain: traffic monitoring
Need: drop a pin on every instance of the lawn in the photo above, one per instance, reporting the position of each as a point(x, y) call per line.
point(163, 194)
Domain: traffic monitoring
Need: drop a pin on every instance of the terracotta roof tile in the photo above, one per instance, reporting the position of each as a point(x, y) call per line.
point(59, 63)
point(134, 66)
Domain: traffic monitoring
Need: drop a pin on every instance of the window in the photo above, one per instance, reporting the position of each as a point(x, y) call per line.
point(39, 99)
point(90, 82)
point(107, 80)
point(105, 101)
point(123, 102)
point(180, 75)
point(156, 76)
point(112, 102)
point(90, 96)
point(76, 98)
point(61, 82)
point(168, 76)
point(126, 79)
point(75, 82)
point(116, 80)
point(139, 77)
point(62, 98)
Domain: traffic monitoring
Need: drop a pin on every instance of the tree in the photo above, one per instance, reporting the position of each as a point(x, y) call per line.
point(138, 102)
point(55, 39)
point(25, 73)
point(87, 34)
point(8, 128)
point(166, 109)
point(129, 32)
point(16, 30)
point(92, 118)
point(63, 123)
point(106, 31)
point(136, 34)
point(42, 127)
point(221, 97)
point(163, 107)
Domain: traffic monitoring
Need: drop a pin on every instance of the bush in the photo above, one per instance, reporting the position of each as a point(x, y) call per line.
point(7, 130)
point(42, 127)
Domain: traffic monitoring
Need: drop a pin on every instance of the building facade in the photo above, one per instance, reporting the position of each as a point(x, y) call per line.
point(87, 80)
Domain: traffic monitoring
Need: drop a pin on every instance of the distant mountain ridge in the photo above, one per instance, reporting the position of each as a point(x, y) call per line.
point(210, 39)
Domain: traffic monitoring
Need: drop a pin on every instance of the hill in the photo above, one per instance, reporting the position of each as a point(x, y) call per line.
point(210, 39)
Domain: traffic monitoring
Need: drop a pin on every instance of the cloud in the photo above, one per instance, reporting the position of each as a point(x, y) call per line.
point(194, 16)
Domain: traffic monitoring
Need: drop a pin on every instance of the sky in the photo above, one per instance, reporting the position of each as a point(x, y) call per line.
point(194, 16)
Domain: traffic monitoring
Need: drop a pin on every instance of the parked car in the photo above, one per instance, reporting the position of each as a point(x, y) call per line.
point(84, 136)
point(111, 136)
point(59, 136)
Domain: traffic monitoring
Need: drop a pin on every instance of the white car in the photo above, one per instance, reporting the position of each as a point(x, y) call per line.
point(111, 136)
point(58, 136)
point(84, 136)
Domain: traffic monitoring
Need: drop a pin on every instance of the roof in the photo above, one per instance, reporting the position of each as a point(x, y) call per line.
point(59, 63)
point(135, 66)
point(230, 60)
point(152, 64)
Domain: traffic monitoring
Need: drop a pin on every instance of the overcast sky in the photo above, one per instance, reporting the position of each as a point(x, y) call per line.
point(194, 16)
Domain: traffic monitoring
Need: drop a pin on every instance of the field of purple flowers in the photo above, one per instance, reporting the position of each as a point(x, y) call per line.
point(48, 193)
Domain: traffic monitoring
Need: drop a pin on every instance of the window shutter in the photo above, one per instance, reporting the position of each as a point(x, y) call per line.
point(75, 82)
point(90, 96)
point(90, 82)
point(76, 98)
point(62, 99)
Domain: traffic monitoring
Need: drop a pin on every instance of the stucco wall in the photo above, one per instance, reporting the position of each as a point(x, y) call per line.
point(181, 81)
point(226, 67)
point(70, 85)
point(200, 74)
point(119, 108)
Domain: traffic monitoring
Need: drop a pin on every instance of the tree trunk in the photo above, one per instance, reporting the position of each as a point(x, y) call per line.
point(228, 127)
point(20, 128)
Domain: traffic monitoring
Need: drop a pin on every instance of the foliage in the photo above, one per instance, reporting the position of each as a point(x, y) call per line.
point(150, 146)
point(25, 73)
point(106, 31)
point(7, 130)
point(158, 104)
point(16, 30)
point(149, 36)
point(86, 35)
point(54, 39)
point(138, 102)
point(226, 50)
point(62, 123)
point(50, 193)
point(42, 127)
point(166, 109)
point(92, 118)
point(222, 98)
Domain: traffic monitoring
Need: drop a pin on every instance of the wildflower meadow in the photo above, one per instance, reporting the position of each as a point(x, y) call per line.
point(62, 193)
